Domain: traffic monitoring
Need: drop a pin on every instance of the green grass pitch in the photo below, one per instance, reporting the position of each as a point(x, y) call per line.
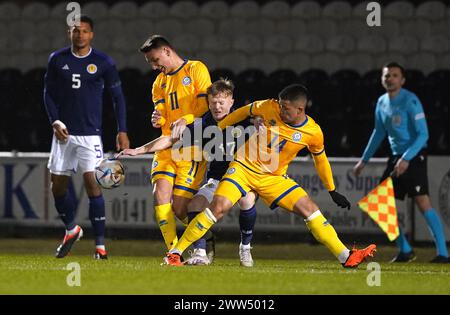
point(28, 267)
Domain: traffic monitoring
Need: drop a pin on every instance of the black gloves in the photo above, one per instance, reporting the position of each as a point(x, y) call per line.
point(339, 199)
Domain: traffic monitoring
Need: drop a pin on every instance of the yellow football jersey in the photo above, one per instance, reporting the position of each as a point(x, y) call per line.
point(282, 142)
point(182, 93)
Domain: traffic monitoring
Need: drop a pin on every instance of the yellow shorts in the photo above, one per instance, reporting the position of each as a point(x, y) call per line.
point(185, 176)
point(275, 190)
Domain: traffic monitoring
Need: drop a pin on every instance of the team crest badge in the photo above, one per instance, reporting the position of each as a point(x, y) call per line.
point(296, 136)
point(91, 68)
point(186, 81)
point(231, 171)
point(155, 164)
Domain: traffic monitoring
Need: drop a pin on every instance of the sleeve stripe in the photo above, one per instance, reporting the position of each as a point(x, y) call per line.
point(251, 108)
point(160, 101)
point(185, 188)
point(419, 116)
point(318, 153)
point(163, 173)
point(202, 95)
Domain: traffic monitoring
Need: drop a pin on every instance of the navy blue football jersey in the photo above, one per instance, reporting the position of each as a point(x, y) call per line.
point(73, 91)
point(218, 167)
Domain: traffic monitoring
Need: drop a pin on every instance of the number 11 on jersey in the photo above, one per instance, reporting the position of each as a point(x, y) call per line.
point(174, 100)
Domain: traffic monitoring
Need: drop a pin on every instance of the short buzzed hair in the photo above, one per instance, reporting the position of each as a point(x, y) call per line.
point(222, 85)
point(293, 92)
point(395, 65)
point(154, 42)
point(85, 19)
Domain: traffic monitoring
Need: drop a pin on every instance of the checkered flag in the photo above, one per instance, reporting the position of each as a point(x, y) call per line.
point(380, 206)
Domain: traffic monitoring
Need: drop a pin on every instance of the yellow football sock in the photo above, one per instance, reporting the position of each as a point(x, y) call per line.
point(195, 230)
point(165, 218)
point(324, 232)
point(185, 221)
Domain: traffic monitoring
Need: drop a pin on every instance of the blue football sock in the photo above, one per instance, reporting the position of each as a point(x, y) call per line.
point(201, 242)
point(66, 209)
point(97, 217)
point(402, 243)
point(434, 223)
point(247, 219)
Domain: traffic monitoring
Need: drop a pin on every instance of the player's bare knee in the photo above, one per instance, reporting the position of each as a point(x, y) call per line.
point(247, 201)
point(220, 206)
point(305, 207)
point(179, 206)
point(162, 192)
point(58, 191)
point(93, 191)
point(91, 186)
point(161, 197)
point(218, 213)
point(197, 204)
point(59, 185)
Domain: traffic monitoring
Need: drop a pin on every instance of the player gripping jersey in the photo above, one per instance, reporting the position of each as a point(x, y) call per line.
point(219, 147)
point(179, 96)
point(286, 121)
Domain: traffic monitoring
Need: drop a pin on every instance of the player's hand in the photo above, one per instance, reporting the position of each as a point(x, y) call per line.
point(156, 116)
point(130, 152)
point(178, 128)
point(357, 169)
point(340, 200)
point(258, 122)
point(401, 167)
point(122, 141)
point(60, 131)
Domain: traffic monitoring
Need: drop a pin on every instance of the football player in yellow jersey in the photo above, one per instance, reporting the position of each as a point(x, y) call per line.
point(290, 130)
point(179, 96)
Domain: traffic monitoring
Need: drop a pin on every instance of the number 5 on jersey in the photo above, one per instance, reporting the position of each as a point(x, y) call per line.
point(76, 81)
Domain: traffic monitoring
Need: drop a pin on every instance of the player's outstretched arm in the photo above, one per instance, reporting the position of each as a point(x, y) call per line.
point(235, 117)
point(323, 168)
point(158, 144)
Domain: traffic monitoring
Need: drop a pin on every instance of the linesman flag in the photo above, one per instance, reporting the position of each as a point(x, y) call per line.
point(380, 206)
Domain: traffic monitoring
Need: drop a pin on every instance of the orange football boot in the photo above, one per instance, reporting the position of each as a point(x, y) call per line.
point(173, 259)
point(357, 256)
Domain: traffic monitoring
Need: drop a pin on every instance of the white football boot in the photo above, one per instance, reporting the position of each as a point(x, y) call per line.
point(198, 258)
point(245, 255)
